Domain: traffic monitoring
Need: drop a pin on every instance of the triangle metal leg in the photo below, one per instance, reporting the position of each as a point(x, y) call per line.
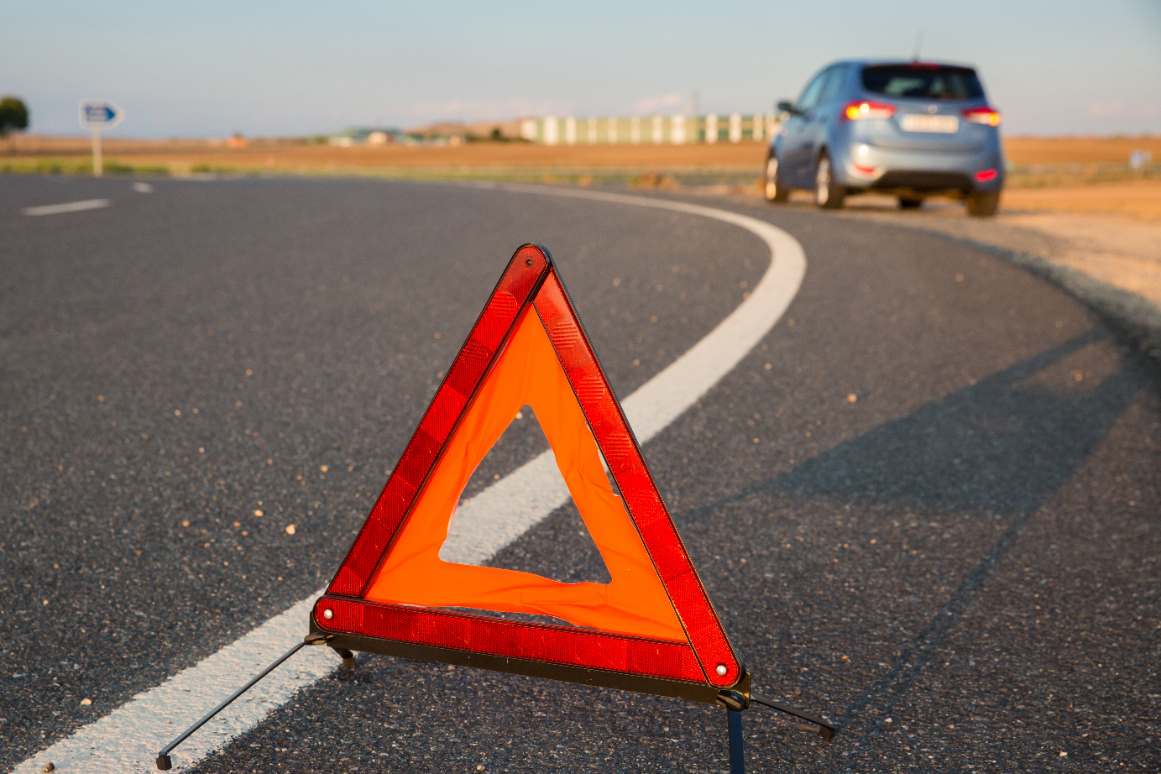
point(164, 758)
point(737, 743)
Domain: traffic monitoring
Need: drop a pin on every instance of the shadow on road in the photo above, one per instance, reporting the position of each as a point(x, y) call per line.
point(998, 446)
point(1003, 446)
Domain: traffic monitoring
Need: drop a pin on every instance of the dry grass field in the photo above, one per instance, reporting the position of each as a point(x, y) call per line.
point(1088, 174)
point(275, 155)
point(1140, 199)
point(1078, 150)
point(1021, 151)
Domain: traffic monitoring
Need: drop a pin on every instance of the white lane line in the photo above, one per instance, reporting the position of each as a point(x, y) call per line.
point(478, 532)
point(127, 739)
point(60, 209)
point(142, 188)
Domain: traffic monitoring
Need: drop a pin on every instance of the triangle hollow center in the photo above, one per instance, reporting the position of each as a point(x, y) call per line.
point(560, 547)
point(633, 601)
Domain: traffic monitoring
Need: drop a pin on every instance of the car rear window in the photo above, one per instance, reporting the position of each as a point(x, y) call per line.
point(922, 81)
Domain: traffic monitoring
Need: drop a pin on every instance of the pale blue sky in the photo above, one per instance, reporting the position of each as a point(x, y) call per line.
point(211, 67)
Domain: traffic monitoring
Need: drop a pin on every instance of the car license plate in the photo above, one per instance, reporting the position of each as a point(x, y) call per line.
point(918, 122)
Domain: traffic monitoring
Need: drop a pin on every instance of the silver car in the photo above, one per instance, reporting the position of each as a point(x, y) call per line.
point(911, 129)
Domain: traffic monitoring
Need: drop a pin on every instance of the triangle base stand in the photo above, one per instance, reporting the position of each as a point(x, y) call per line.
point(600, 678)
point(734, 701)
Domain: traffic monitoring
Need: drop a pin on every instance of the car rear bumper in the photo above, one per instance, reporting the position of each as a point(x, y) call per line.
point(870, 167)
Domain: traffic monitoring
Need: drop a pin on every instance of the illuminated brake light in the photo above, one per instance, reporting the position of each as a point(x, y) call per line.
point(983, 115)
point(986, 175)
point(860, 109)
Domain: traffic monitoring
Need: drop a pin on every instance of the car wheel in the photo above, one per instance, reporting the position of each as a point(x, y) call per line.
point(910, 203)
point(773, 188)
point(827, 194)
point(983, 204)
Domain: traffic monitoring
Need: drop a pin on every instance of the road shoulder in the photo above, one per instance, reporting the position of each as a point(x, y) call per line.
point(1111, 263)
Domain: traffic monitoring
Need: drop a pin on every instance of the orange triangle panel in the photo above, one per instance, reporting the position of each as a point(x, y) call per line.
point(652, 620)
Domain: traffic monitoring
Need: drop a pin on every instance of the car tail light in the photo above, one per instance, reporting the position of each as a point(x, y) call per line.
point(987, 175)
point(860, 109)
point(983, 115)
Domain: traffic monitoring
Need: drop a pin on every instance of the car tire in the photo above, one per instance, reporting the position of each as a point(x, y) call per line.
point(910, 202)
point(983, 204)
point(773, 189)
point(827, 194)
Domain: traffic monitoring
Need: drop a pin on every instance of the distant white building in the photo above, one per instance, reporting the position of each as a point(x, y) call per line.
point(656, 129)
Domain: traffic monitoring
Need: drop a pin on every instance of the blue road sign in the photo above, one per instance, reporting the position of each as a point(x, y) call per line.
point(98, 114)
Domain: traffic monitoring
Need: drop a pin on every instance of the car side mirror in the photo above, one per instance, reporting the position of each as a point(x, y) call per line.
point(786, 106)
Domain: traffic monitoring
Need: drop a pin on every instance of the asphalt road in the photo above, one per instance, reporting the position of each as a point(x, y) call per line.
point(927, 505)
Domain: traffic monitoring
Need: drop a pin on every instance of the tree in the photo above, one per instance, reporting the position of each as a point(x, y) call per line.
point(13, 115)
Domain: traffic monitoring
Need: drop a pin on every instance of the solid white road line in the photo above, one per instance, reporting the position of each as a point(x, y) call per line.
point(478, 531)
point(128, 738)
point(60, 209)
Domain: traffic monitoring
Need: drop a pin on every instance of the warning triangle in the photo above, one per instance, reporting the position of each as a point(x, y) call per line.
point(650, 628)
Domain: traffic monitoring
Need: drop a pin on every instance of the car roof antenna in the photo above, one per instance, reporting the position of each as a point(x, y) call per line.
point(918, 44)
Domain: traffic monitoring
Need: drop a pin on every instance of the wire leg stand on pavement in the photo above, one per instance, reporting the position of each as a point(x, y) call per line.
point(825, 730)
point(737, 744)
point(165, 763)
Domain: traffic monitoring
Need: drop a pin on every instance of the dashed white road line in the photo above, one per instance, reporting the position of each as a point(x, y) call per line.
point(60, 209)
point(140, 187)
point(128, 738)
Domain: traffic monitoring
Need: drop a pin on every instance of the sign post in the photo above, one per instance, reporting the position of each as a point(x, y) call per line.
point(95, 116)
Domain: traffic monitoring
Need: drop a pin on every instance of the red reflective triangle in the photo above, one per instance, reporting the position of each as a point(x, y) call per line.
point(651, 628)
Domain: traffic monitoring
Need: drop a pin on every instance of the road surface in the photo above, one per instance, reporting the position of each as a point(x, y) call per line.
point(926, 503)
